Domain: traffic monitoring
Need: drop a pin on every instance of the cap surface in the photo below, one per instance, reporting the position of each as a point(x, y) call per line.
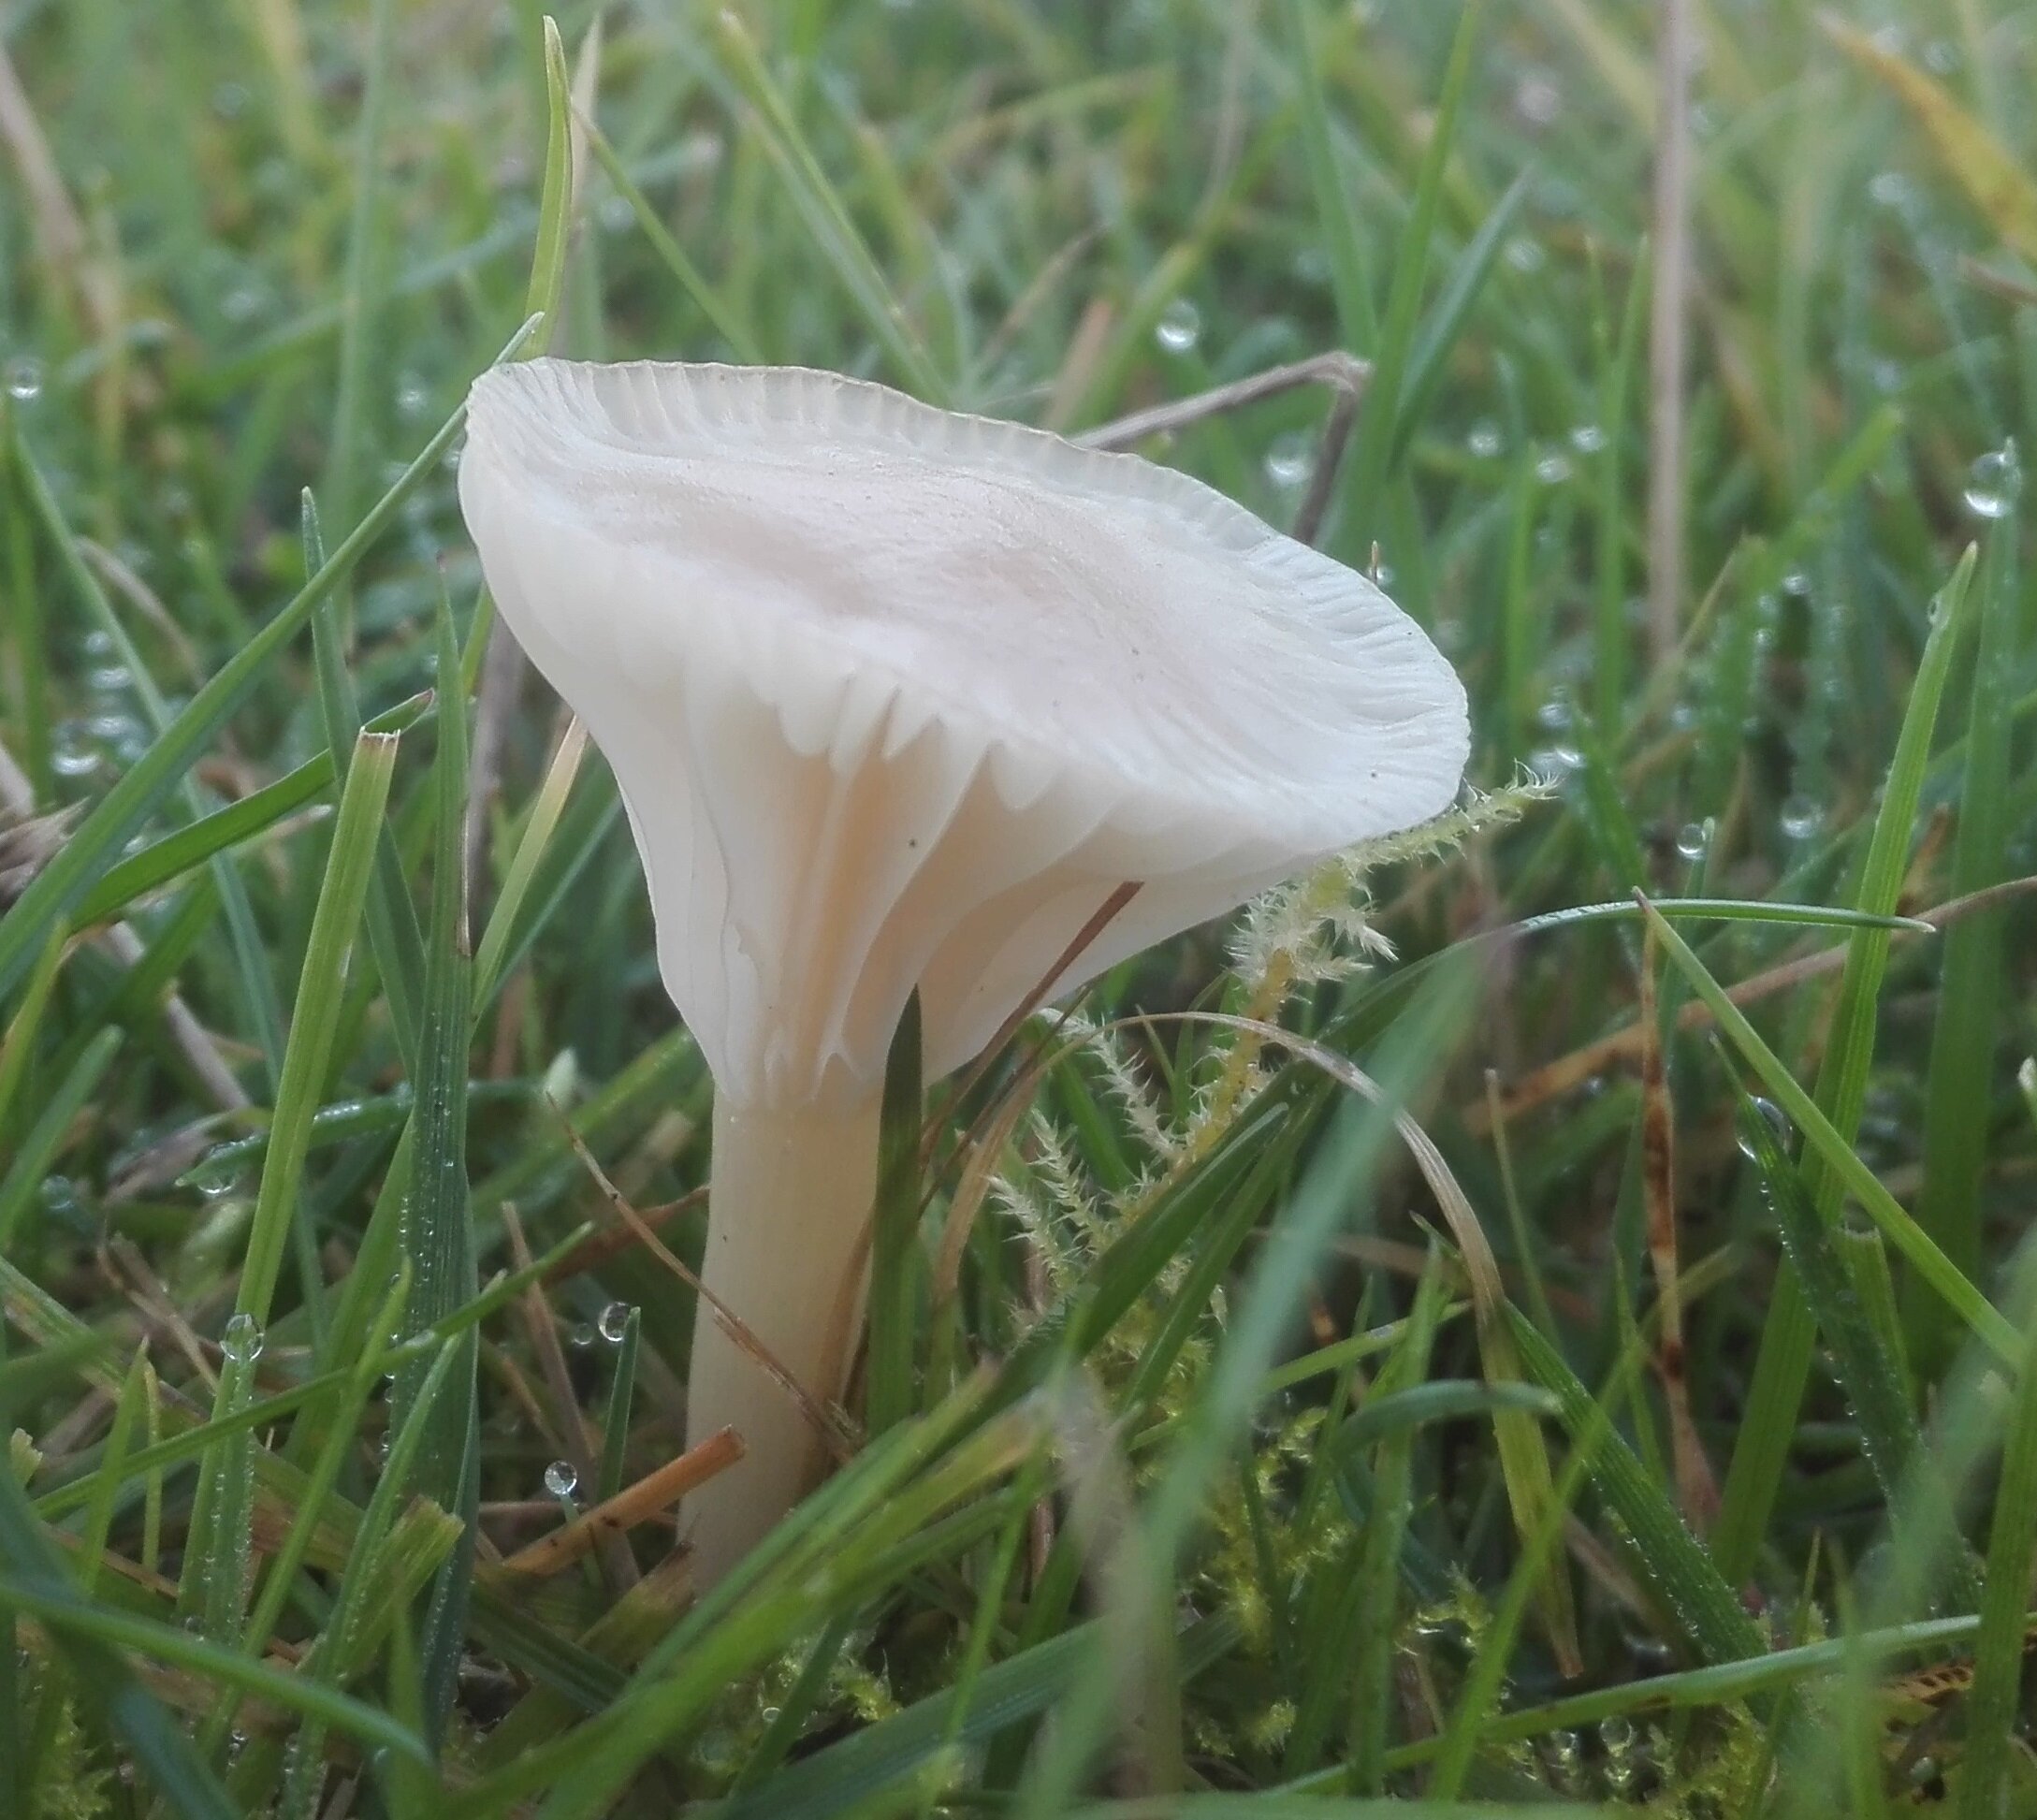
point(897, 696)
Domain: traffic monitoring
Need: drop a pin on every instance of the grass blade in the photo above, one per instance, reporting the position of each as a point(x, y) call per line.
point(1784, 1362)
point(1960, 1096)
point(277, 1205)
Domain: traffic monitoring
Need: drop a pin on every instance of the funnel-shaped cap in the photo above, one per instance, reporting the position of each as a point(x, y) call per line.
point(897, 697)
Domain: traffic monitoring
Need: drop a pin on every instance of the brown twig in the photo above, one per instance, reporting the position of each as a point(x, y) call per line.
point(1346, 371)
point(608, 1522)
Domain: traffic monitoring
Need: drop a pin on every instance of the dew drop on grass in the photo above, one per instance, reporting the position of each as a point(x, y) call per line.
point(1180, 327)
point(1587, 438)
point(1484, 440)
point(1993, 483)
point(1692, 839)
point(1800, 817)
point(24, 378)
point(1554, 715)
point(615, 1322)
point(1552, 470)
point(242, 1342)
point(1288, 459)
point(1777, 1124)
point(560, 1480)
point(581, 1335)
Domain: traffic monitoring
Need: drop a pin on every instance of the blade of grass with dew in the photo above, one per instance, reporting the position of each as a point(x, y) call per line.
point(616, 1420)
point(1611, 634)
point(278, 1206)
point(1371, 458)
point(40, 1144)
point(1336, 222)
point(251, 971)
point(1444, 325)
point(97, 841)
point(1992, 1706)
point(164, 861)
point(821, 208)
point(361, 295)
point(721, 317)
point(1960, 1076)
point(219, 1540)
point(542, 823)
point(438, 1232)
point(1889, 1434)
point(401, 1475)
point(1855, 1177)
point(19, 1046)
point(1377, 1581)
point(1483, 1685)
point(555, 201)
point(1676, 1560)
point(392, 919)
point(1783, 1365)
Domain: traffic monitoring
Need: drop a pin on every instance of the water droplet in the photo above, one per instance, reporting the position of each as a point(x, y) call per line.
point(560, 1480)
point(1692, 839)
point(1890, 188)
point(216, 1174)
point(1564, 1747)
point(1553, 763)
point(1289, 459)
point(1552, 470)
point(1554, 715)
point(1525, 254)
point(1924, 1771)
point(769, 1714)
point(1616, 1733)
point(1796, 585)
point(71, 754)
point(580, 1334)
point(242, 1342)
point(412, 400)
point(1777, 1124)
point(1800, 817)
point(1993, 483)
point(24, 378)
point(616, 214)
point(1180, 327)
point(1537, 99)
point(1484, 440)
point(615, 1322)
point(1587, 438)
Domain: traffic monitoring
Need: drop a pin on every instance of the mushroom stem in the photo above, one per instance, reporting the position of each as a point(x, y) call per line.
point(788, 1216)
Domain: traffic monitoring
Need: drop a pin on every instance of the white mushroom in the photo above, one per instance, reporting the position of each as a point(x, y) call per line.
point(897, 698)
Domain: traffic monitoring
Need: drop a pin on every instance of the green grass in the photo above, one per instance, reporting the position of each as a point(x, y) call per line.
point(1270, 1414)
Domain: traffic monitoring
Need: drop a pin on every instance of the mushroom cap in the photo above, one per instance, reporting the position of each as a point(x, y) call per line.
point(897, 697)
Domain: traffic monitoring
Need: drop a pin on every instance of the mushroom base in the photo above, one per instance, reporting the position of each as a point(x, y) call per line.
point(788, 1215)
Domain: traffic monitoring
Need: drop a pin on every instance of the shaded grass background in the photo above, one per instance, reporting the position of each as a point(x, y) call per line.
point(269, 245)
